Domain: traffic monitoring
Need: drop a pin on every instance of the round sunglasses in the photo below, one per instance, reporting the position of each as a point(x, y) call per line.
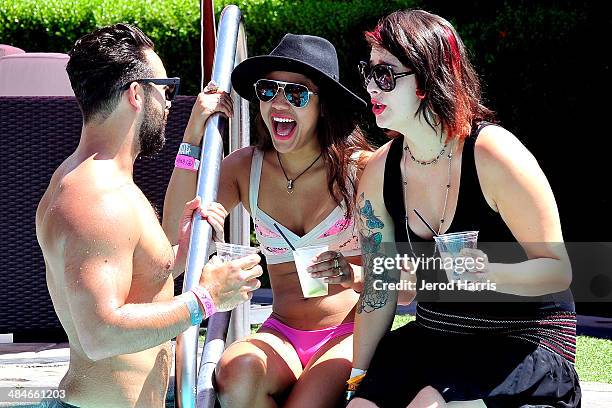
point(297, 95)
point(383, 75)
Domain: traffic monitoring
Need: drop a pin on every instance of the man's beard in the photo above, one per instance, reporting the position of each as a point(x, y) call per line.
point(152, 130)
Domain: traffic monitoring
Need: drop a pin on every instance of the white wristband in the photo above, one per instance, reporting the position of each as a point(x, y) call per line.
point(356, 371)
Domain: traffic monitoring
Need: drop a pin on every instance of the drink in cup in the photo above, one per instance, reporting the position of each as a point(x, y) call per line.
point(227, 252)
point(304, 257)
point(450, 246)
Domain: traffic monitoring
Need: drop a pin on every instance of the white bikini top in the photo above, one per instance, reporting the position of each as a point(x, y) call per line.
point(336, 231)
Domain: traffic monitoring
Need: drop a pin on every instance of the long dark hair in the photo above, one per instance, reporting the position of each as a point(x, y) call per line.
point(430, 46)
point(339, 137)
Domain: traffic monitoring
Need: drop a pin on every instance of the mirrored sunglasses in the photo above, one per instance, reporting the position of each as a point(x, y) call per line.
point(297, 95)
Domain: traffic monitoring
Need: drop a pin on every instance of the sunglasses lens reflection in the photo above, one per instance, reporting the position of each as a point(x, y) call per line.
point(384, 77)
point(297, 95)
point(266, 90)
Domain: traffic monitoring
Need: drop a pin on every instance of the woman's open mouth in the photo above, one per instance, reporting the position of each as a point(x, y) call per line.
point(283, 126)
point(377, 108)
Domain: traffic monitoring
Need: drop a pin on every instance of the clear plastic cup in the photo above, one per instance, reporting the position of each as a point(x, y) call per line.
point(454, 242)
point(311, 287)
point(450, 245)
point(227, 252)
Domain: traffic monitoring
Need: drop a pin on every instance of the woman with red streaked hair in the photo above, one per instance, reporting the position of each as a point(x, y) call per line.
point(493, 334)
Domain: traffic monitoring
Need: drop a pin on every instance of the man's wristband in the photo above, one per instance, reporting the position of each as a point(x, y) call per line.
point(195, 313)
point(186, 149)
point(205, 300)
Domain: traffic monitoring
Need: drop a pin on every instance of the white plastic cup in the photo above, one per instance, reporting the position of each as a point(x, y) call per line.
point(227, 252)
point(304, 257)
point(450, 245)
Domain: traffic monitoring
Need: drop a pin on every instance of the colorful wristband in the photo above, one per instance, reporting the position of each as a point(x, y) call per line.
point(186, 149)
point(351, 386)
point(186, 162)
point(195, 313)
point(205, 300)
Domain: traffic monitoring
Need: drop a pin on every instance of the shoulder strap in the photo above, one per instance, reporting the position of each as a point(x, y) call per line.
point(255, 176)
point(392, 187)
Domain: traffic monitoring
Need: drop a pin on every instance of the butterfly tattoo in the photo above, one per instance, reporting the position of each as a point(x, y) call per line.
point(372, 221)
point(371, 243)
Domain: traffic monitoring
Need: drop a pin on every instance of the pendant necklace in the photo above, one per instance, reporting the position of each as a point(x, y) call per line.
point(291, 181)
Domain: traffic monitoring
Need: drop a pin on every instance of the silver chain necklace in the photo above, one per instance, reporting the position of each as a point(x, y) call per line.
point(291, 181)
point(405, 183)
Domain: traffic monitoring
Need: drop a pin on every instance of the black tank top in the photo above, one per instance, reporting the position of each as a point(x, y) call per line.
point(473, 213)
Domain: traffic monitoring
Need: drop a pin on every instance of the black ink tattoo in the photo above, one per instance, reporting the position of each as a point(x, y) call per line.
point(371, 242)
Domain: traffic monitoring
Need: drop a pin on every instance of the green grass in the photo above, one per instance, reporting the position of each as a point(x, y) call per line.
point(401, 320)
point(593, 357)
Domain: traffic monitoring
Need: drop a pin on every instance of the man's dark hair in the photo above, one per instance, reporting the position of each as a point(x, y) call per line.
point(102, 62)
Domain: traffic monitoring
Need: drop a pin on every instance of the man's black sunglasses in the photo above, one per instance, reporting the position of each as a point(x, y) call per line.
point(172, 85)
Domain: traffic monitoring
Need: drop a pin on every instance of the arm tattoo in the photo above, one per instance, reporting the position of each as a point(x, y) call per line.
point(371, 240)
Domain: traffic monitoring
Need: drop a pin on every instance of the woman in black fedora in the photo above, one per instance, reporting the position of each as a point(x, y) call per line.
point(298, 184)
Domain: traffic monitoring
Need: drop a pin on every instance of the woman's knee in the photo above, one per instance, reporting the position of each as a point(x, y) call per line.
point(361, 403)
point(244, 371)
point(428, 396)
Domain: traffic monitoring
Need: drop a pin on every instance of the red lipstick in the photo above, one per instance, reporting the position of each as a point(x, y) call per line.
point(377, 108)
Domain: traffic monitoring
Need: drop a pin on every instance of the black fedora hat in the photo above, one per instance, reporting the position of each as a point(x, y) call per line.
point(315, 57)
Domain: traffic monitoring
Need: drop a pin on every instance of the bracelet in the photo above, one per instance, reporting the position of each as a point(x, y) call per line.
point(205, 300)
point(186, 149)
point(352, 384)
point(186, 162)
point(195, 313)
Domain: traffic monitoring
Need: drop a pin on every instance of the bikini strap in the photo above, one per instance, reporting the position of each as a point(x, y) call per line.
point(255, 176)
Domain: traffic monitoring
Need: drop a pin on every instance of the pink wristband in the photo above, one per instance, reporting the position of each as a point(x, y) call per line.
point(205, 301)
point(186, 162)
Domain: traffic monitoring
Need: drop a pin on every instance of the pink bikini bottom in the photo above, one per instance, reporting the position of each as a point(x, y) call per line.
point(307, 342)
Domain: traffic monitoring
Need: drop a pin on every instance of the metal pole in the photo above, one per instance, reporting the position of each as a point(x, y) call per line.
point(208, 179)
point(201, 233)
point(231, 30)
point(240, 226)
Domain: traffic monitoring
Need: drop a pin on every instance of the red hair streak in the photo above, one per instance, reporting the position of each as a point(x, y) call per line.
point(460, 125)
point(454, 47)
point(374, 35)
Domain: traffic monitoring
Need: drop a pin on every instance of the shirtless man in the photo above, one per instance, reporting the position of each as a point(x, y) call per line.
point(109, 265)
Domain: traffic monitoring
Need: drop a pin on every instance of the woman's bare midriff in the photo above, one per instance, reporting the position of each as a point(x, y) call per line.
point(291, 308)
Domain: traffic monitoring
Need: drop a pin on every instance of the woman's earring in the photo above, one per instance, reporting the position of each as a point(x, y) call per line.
point(420, 94)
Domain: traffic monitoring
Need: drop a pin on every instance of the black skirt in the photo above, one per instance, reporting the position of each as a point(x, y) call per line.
point(503, 371)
